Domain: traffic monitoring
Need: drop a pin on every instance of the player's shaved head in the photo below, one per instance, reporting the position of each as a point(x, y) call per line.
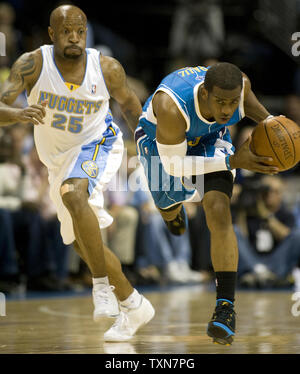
point(223, 75)
point(67, 31)
point(66, 12)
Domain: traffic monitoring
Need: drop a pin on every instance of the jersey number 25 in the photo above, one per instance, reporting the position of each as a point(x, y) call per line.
point(74, 124)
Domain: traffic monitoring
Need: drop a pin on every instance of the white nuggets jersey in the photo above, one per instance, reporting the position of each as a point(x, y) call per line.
point(74, 117)
point(79, 138)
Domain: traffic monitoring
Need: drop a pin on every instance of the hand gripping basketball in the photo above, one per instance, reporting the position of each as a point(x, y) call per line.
point(277, 137)
point(244, 158)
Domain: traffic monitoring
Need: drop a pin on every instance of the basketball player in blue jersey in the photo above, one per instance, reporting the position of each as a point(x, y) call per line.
point(68, 88)
point(185, 124)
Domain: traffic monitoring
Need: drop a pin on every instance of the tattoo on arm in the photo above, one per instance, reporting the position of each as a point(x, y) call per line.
point(22, 68)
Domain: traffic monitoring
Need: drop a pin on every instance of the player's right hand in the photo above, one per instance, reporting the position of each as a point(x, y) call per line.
point(33, 113)
point(244, 158)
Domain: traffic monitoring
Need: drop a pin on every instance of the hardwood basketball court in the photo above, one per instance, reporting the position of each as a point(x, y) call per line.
point(265, 324)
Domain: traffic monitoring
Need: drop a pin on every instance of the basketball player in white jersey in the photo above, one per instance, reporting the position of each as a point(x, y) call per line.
point(68, 89)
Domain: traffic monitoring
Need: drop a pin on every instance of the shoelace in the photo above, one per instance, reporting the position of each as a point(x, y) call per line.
point(225, 313)
point(103, 294)
point(121, 321)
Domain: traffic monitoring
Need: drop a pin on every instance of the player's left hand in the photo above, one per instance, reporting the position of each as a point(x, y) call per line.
point(33, 113)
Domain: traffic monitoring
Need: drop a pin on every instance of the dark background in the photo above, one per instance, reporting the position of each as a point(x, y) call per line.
point(260, 47)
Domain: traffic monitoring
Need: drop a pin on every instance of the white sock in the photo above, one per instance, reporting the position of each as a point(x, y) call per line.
point(133, 300)
point(100, 281)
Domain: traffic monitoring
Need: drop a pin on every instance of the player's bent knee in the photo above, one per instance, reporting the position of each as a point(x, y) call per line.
point(73, 197)
point(74, 202)
point(217, 212)
point(65, 188)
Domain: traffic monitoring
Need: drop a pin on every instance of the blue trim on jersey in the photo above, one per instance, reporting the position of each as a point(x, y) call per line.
point(99, 162)
point(102, 73)
point(169, 88)
point(108, 118)
point(83, 81)
point(41, 68)
point(56, 65)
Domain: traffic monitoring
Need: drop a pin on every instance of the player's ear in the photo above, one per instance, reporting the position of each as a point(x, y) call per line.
point(204, 93)
point(51, 33)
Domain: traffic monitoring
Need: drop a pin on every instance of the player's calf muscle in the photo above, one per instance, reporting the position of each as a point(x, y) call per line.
point(218, 215)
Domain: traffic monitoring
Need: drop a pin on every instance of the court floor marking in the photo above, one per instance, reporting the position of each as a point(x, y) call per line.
point(47, 310)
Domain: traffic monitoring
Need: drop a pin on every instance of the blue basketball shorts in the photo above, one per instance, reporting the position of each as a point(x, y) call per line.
point(168, 190)
point(97, 161)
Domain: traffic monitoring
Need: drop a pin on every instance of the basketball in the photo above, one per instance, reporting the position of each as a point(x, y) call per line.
point(279, 138)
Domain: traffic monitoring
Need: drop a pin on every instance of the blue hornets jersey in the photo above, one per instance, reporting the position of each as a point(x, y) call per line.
point(182, 86)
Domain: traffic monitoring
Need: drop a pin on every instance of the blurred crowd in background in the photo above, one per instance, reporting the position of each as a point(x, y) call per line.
point(151, 41)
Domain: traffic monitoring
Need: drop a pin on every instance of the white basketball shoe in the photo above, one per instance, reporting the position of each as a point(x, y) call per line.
point(129, 321)
point(105, 302)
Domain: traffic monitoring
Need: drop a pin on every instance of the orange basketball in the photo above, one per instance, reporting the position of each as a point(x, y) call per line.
point(279, 138)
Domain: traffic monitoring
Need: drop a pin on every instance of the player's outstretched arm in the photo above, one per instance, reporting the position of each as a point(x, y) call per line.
point(252, 107)
point(23, 75)
point(116, 82)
